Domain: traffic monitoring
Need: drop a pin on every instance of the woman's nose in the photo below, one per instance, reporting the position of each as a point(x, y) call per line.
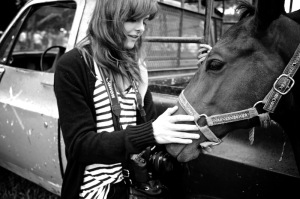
point(140, 26)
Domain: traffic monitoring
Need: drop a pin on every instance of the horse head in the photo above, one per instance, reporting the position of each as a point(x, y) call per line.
point(240, 70)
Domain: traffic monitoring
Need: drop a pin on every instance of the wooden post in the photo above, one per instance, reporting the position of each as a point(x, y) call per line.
point(180, 33)
point(291, 5)
point(208, 14)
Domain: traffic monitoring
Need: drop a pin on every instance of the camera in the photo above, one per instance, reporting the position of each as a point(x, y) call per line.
point(148, 168)
point(156, 159)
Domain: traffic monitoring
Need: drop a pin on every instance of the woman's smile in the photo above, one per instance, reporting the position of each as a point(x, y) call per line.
point(134, 29)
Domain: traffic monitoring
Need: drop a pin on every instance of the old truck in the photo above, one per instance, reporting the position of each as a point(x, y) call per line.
point(31, 143)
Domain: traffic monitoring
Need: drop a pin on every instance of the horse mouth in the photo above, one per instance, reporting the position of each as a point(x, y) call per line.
point(184, 153)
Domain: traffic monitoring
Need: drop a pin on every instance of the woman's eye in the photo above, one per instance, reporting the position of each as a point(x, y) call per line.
point(214, 65)
point(131, 20)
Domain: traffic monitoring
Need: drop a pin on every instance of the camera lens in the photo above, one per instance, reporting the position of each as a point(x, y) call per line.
point(162, 162)
point(167, 162)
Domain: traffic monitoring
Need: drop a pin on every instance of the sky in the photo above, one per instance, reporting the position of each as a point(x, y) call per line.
point(296, 5)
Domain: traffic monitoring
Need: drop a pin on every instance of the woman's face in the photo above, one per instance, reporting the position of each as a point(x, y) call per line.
point(134, 30)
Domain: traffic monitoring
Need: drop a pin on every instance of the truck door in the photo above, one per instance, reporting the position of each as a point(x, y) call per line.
point(28, 110)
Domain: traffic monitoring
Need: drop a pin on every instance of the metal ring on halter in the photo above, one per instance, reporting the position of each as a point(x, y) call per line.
point(259, 102)
point(202, 115)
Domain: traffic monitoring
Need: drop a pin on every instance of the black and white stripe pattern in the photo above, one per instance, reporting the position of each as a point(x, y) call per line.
point(98, 177)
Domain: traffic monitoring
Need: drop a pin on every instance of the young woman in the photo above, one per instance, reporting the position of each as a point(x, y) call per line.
point(109, 63)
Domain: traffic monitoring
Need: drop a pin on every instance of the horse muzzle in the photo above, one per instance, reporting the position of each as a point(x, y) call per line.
point(185, 153)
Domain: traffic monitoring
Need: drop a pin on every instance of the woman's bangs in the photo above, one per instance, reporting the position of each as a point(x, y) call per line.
point(143, 8)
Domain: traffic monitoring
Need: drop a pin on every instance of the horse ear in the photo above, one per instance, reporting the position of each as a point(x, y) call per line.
point(267, 11)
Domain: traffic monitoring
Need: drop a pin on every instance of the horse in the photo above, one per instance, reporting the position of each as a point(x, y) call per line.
point(244, 81)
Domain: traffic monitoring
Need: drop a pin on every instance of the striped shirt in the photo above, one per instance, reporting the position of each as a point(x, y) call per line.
point(98, 177)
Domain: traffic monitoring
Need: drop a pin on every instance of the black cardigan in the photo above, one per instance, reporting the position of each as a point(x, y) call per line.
point(73, 86)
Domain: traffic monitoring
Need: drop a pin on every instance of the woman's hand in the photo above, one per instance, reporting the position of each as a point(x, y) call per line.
point(202, 53)
point(166, 131)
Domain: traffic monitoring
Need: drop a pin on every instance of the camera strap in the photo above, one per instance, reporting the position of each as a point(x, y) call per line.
point(116, 110)
point(139, 100)
point(113, 98)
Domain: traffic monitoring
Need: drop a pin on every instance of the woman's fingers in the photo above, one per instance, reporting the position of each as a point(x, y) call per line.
point(169, 128)
point(168, 136)
point(179, 141)
point(184, 127)
point(170, 111)
point(181, 118)
point(203, 51)
point(186, 135)
point(205, 46)
point(201, 58)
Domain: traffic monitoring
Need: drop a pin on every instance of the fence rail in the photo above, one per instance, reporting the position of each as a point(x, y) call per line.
point(175, 39)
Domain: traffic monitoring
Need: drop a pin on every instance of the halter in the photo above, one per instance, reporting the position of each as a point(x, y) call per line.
point(281, 86)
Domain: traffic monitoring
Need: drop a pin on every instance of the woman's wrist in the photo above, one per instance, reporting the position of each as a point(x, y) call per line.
point(141, 135)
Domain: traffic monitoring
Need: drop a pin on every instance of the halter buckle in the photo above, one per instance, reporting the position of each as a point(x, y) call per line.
point(284, 84)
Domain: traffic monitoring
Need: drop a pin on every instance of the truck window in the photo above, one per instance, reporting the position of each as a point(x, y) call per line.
point(41, 27)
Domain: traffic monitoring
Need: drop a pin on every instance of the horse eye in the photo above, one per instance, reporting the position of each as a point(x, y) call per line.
point(214, 65)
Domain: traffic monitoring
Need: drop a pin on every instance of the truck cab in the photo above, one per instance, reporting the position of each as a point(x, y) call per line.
point(31, 143)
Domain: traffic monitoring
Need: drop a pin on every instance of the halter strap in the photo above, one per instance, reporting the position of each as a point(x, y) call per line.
point(191, 111)
point(283, 84)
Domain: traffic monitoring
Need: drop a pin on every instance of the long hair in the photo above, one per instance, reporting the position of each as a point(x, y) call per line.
point(106, 35)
